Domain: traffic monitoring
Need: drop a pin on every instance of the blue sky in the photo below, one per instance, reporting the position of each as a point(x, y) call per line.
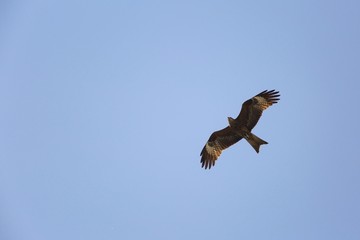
point(106, 105)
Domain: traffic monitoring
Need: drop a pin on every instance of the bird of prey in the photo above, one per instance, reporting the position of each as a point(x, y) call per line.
point(239, 128)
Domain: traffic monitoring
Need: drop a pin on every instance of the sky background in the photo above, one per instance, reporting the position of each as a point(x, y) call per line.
point(106, 105)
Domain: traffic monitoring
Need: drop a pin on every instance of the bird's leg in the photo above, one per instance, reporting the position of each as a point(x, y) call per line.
point(244, 133)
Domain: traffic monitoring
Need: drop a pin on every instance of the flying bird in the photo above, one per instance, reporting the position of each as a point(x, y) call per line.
point(239, 128)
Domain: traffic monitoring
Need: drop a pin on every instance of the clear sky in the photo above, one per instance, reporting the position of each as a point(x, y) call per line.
point(106, 105)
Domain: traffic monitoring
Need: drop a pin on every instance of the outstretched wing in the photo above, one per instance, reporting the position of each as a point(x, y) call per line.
point(252, 109)
point(217, 142)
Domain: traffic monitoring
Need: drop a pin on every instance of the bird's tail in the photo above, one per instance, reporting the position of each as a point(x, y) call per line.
point(255, 141)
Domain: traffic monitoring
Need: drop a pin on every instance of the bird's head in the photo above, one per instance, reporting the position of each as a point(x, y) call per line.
point(231, 121)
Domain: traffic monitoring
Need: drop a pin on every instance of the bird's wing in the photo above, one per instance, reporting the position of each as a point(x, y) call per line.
point(252, 109)
point(217, 142)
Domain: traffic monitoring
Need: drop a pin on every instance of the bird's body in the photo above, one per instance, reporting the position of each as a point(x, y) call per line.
point(239, 128)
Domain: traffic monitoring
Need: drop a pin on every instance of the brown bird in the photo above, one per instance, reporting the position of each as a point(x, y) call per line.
point(239, 128)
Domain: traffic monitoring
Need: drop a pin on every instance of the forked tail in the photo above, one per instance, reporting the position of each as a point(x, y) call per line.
point(255, 141)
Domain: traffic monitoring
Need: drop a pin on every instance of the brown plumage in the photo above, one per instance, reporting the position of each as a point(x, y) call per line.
point(239, 128)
